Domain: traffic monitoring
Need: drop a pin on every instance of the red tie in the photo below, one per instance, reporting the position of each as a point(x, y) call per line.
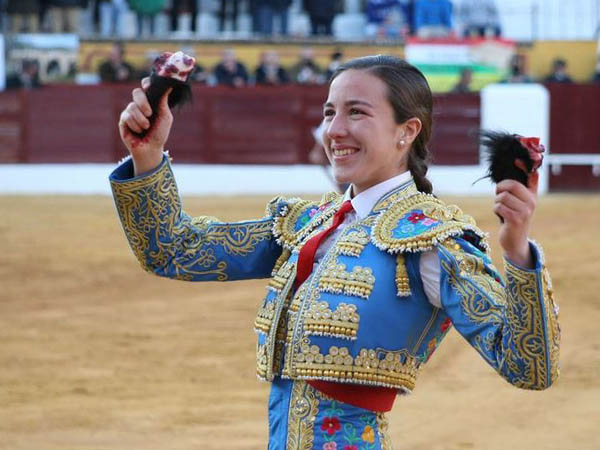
point(306, 257)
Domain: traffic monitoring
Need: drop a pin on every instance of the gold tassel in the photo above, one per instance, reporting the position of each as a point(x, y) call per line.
point(402, 282)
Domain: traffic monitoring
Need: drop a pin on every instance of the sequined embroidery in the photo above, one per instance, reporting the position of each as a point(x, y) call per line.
point(343, 322)
point(294, 223)
point(396, 369)
point(335, 279)
point(352, 243)
point(281, 277)
point(419, 222)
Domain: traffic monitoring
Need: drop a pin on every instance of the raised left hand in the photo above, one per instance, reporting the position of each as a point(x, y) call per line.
point(515, 204)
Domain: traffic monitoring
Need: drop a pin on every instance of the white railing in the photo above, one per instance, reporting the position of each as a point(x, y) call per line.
point(556, 162)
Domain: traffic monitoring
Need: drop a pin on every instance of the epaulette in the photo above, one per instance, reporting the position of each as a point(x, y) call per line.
point(295, 218)
point(419, 222)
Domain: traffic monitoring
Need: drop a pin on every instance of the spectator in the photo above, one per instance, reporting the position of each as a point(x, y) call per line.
point(480, 18)
point(64, 15)
point(231, 72)
point(321, 14)
point(110, 12)
point(559, 72)
point(433, 18)
point(116, 69)
point(228, 10)
point(270, 72)
point(146, 11)
point(24, 15)
point(267, 11)
point(385, 19)
point(181, 7)
point(27, 78)
point(464, 83)
point(306, 71)
point(408, 9)
point(596, 76)
point(337, 57)
point(518, 71)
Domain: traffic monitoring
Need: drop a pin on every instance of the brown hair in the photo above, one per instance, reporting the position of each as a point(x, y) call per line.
point(410, 96)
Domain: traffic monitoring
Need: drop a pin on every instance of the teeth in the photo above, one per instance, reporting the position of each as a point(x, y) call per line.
point(344, 151)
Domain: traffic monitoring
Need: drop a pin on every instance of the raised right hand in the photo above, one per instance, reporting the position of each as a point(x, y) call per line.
point(146, 152)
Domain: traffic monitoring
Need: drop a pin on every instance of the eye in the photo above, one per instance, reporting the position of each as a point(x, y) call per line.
point(354, 112)
point(328, 113)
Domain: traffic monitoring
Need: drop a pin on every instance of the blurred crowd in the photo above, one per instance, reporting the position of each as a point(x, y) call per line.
point(392, 19)
point(229, 71)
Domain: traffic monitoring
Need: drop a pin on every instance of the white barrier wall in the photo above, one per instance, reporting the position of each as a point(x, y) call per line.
point(517, 108)
point(522, 109)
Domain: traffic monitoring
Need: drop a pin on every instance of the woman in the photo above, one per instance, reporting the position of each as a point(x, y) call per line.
point(363, 286)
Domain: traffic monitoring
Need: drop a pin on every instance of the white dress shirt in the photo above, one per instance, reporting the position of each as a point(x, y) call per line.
point(363, 203)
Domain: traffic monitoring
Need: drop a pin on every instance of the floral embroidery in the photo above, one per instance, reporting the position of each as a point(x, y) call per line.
point(306, 217)
point(416, 217)
point(331, 425)
point(420, 224)
point(330, 446)
point(445, 325)
point(350, 447)
point(435, 342)
point(368, 434)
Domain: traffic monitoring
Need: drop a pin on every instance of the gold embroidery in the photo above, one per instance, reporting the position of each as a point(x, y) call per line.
point(402, 281)
point(382, 431)
point(451, 222)
point(396, 196)
point(524, 311)
point(261, 361)
point(264, 318)
point(281, 277)
point(352, 243)
point(343, 322)
point(304, 407)
point(285, 255)
point(239, 238)
point(284, 225)
point(535, 328)
point(396, 369)
point(161, 236)
point(337, 280)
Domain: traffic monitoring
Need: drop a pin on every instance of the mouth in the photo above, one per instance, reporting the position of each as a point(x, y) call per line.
point(340, 152)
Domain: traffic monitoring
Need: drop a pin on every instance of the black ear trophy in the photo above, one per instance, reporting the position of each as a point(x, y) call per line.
point(503, 150)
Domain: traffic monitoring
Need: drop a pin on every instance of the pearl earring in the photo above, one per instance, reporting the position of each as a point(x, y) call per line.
point(402, 142)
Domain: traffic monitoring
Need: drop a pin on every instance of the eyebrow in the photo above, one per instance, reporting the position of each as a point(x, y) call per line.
point(350, 103)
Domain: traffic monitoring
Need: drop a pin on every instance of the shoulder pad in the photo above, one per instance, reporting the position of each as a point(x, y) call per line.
point(295, 218)
point(419, 222)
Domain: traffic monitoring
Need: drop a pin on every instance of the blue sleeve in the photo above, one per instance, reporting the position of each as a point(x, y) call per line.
point(513, 324)
point(169, 243)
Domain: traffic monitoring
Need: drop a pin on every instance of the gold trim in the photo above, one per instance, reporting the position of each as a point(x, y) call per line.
point(395, 369)
point(451, 222)
point(303, 409)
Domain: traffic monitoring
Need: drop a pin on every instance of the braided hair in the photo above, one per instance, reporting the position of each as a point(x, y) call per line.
point(410, 96)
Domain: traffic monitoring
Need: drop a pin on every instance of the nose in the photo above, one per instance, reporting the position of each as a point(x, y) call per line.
point(337, 128)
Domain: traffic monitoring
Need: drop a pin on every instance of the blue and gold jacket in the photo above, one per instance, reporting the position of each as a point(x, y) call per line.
point(362, 316)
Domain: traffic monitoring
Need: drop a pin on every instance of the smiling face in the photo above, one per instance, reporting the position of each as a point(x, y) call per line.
point(362, 140)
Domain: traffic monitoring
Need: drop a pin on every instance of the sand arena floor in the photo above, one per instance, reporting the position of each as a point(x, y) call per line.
point(97, 354)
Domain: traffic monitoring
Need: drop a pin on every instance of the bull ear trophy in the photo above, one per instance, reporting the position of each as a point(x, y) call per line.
point(511, 156)
point(169, 70)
